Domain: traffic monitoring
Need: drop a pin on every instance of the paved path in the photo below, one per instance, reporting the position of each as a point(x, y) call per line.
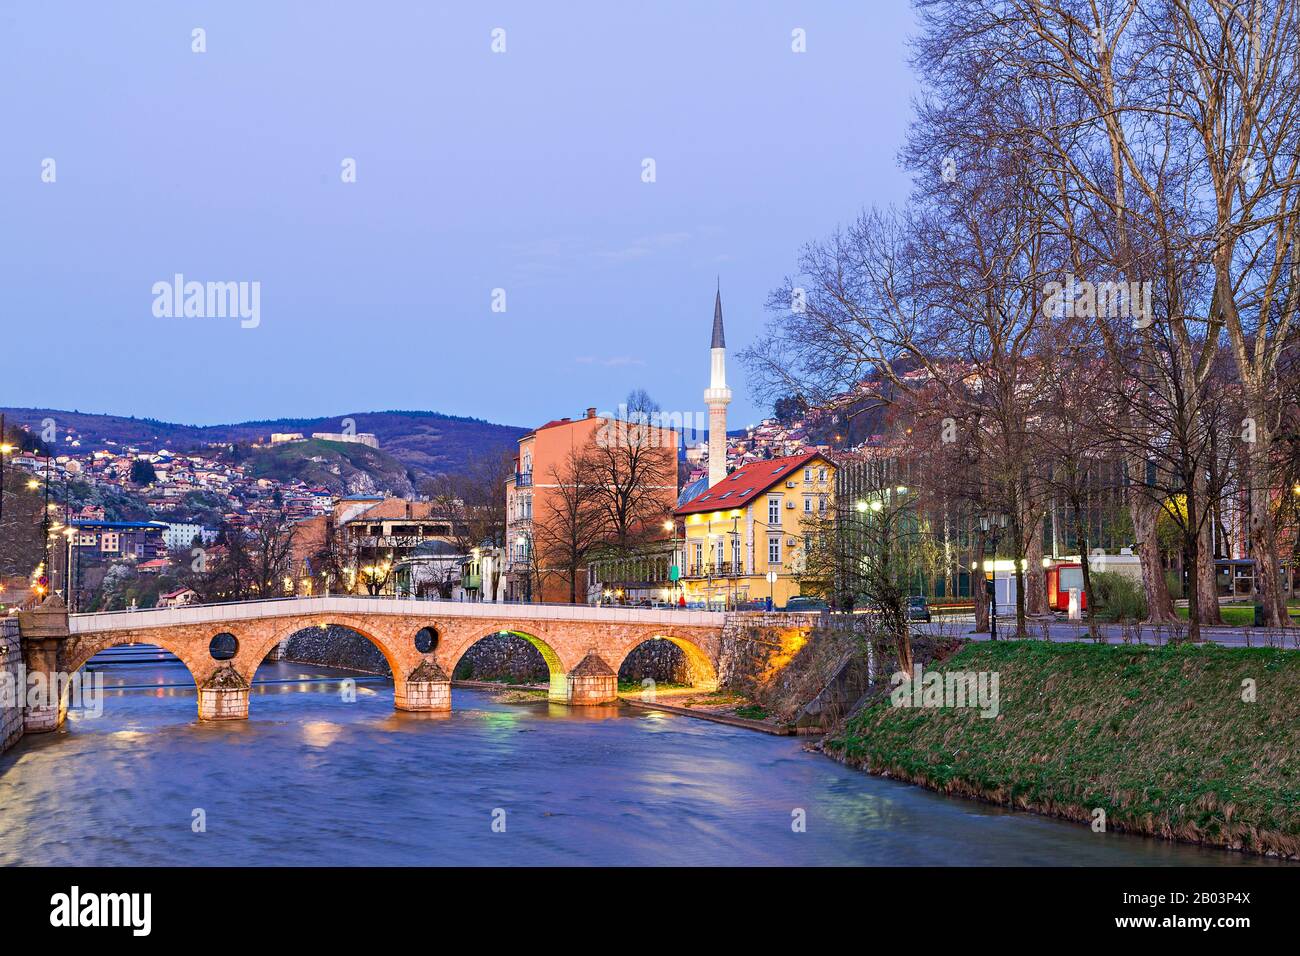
point(1058, 630)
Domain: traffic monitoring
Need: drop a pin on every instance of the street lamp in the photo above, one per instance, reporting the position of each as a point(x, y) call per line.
point(994, 524)
point(735, 553)
point(45, 520)
point(771, 589)
point(674, 561)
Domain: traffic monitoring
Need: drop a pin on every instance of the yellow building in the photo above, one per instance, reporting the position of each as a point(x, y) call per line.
point(743, 538)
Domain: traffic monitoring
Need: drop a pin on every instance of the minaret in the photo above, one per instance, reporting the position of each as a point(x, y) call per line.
point(716, 396)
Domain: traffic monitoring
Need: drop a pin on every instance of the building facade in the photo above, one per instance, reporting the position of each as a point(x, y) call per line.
point(750, 525)
point(142, 540)
point(535, 496)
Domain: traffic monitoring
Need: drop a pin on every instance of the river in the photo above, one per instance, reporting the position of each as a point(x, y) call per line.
point(311, 779)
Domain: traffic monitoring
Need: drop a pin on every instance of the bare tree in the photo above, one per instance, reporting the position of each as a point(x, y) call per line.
point(633, 469)
point(572, 523)
point(1175, 123)
point(271, 535)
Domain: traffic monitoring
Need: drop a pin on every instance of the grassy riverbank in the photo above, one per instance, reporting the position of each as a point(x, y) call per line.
point(1241, 615)
point(1158, 737)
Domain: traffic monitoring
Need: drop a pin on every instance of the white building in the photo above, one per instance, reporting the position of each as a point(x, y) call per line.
point(357, 438)
point(181, 534)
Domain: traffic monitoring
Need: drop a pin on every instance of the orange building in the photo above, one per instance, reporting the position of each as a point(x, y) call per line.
point(536, 492)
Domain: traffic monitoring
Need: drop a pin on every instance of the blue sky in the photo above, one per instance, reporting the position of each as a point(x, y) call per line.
point(475, 171)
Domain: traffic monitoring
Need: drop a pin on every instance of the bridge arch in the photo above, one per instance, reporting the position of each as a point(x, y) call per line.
point(557, 672)
point(76, 662)
point(86, 652)
point(701, 672)
point(399, 664)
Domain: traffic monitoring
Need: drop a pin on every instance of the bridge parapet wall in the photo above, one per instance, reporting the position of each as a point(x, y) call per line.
point(12, 683)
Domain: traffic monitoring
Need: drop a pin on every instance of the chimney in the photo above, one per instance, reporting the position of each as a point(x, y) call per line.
point(591, 413)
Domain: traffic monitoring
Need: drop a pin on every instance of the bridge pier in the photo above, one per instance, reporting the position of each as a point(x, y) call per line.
point(224, 696)
point(44, 631)
point(593, 681)
point(427, 688)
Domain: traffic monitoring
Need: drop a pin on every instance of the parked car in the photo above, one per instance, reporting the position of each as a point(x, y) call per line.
point(805, 604)
point(918, 609)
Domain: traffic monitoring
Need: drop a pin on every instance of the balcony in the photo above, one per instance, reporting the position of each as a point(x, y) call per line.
point(722, 569)
point(523, 479)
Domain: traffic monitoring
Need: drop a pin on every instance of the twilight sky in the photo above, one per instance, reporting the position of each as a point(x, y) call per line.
point(475, 171)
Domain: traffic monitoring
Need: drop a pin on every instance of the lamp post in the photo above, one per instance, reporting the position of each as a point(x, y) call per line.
point(45, 528)
point(735, 553)
point(771, 590)
point(993, 524)
point(674, 562)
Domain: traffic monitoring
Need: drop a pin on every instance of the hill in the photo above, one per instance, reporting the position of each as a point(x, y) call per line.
point(345, 468)
point(426, 442)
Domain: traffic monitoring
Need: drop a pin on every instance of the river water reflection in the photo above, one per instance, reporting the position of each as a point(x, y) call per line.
point(312, 780)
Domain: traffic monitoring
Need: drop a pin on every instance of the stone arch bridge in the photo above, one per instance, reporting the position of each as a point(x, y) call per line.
point(222, 645)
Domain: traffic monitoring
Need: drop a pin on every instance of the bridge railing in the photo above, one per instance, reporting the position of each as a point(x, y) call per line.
point(666, 606)
point(388, 604)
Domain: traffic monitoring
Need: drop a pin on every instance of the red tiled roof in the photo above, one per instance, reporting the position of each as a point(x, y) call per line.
point(745, 484)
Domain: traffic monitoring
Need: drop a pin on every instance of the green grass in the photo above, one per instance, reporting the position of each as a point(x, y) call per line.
point(1238, 615)
point(635, 686)
point(751, 712)
point(1158, 737)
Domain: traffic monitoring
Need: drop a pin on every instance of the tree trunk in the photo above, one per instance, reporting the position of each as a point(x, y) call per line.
point(1207, 590)
point(1036, 574)
point(1191, 559)
point(1144, 513)
point(1263, 536)
point(903, 645)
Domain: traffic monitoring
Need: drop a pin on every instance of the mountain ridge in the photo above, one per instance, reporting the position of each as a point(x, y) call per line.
point(424, 441)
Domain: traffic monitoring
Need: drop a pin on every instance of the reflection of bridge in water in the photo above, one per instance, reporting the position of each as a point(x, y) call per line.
point(222, 645)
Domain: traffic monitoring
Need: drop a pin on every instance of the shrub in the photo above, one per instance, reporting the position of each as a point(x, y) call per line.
point(1118, 597)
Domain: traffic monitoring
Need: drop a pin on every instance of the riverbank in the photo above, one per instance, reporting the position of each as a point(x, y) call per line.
point(1192, 743)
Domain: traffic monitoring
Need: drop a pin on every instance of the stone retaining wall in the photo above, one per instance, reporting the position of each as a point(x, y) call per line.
point(336, 647)
point(12, 685)
point(755, 643)
point(495, 658)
